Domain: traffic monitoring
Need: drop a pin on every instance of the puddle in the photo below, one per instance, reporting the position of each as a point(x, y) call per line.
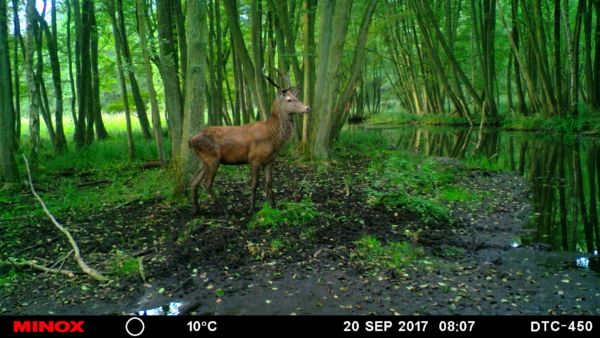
point(591, 262)
point(171, 309)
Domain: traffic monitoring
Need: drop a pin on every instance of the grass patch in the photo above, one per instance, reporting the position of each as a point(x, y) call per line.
point(267, 249)
point(559, 125)
point(288, 214)
point(125, 265)
point(410, 182)
point(392, 255)
point(98, 176)
point(399, 117)
point(456, 194)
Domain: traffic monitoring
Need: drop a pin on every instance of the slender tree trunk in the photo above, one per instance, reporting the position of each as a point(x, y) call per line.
point(169, 67)
point(122, 82)
point(82, 71)
point(179, 19)
point(140, 106)
point(70, 61)
point(141, 9)
point(195, 102)
point(8, 166)
point(17, 90)
point(309, 63)
point(33, 89)
point(52, 43)
point(252, 75)
point(96, 108)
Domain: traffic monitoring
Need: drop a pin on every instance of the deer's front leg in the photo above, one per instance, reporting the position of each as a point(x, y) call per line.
point(253, 182)
point(269, 183)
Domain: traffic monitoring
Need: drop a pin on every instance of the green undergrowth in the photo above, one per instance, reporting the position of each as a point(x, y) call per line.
point(419, 185)
point(588, 122)
point(398, 118)
point(97, 177)
point(288, 213)
point(371, 252)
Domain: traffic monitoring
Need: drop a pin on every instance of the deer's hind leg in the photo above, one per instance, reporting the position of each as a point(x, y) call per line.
point(198, 177)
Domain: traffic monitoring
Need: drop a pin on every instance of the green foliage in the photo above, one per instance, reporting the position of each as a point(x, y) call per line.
point(560, 125)
point(456, 194)
point(290, 214)
point(412, 183)
point(125, 265)
point(392, 255)
point(482, 162)
point(98, 176)
point(401, 117)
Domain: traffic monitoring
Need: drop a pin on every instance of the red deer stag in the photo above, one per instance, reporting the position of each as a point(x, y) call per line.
point(256, 144)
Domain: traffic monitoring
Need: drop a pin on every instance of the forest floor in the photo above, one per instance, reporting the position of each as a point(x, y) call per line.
point(336, 245)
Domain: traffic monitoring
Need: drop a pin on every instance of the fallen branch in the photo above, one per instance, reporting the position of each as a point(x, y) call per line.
point(84, 267)
point(34, 265)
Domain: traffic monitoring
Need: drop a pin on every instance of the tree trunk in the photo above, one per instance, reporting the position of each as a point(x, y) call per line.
point(141, 9)
point(33, 89)
point(308, 37)
point(17, 91)
point(82, 61)
point(252, 75)
point(96, 108)
point(140, 106)
point(52, 44)
point(70, 61)
point(122, 82)
point(195, 102)
point(8, 166)
point(168, 67)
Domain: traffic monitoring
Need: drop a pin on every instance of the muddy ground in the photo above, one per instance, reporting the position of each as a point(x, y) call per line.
point(214, 264)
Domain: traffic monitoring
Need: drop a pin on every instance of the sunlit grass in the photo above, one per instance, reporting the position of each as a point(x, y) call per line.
point(98, 176)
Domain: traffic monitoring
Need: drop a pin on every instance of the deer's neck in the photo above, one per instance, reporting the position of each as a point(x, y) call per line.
point(280, 127)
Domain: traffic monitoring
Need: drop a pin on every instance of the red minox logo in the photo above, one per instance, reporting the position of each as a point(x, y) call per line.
point(40, 326)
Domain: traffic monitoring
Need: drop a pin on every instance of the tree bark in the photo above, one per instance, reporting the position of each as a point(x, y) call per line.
point(252, 75)
point(140, 106)
point(308, 37)
point(17, 91)
point(8, 166)
point(141, 9)
point(33, 89)
point(169, 67)
point(122, 82)
point(96, 107)
point(195, 102)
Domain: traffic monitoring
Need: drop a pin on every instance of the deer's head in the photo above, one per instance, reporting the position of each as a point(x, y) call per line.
point(288, 102)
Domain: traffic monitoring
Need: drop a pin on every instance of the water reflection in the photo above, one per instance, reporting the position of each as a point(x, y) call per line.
point(564, 173)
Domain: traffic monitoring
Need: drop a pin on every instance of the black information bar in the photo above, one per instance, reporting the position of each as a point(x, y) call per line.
point(328, 326)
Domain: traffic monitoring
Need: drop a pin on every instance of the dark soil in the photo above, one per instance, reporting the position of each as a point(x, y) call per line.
point(215, 264)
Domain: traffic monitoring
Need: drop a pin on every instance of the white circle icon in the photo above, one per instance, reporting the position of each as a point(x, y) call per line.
point(132, 333)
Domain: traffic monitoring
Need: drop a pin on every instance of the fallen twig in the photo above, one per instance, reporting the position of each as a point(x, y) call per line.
point(34, 265)
point(84, 267)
